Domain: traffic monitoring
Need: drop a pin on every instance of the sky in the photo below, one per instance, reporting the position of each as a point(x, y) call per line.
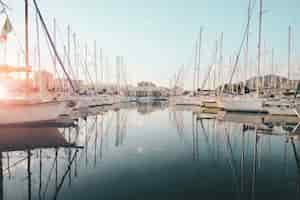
point(158, 37)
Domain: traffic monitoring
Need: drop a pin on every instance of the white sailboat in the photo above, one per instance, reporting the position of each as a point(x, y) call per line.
point(246, 103)
point(242, 104)
point(187, 100)
point(28, 109)
point(23, 111)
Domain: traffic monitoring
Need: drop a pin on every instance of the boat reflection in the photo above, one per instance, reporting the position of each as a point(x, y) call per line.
point(244, 143)
point(31, 143)
point(239, 153)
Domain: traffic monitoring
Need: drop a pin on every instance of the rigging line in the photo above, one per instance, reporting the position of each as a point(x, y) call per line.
point(211, 66)
point(15, 164)
point(69, 63)
point(53, 46)
point(88, 139)
point(85, 66)
point(65, 174)
point(53, 62)
point(242, 44)
point(81, 64)
point(4, 5)
point(230, 157)
point(49, 177)
point(206, 139)
point(62, 41)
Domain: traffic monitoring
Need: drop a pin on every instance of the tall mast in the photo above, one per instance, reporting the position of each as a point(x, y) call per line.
point(54, 41)
point(26, 46)
point(107, 68)
point(40, 84)
point(215, 68)
point(221, 60)
point(50, 40)
point(289, 51)
point(75, 55)
point(272, 68)
point(101, 66)
point(118, 73)
point(195, 68)
point(247, 40)
point(199, 56)
point(85, 60)
point(259, 43)
point(69, 47)
point(95, 65)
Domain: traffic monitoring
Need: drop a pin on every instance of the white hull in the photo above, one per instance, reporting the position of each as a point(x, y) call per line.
point(188, 100)
point(84, 102)
point(241, 104)
point(23, 111)
point(282, 111)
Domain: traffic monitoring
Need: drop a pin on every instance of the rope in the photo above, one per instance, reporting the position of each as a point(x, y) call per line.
point(53, 46)
point(241, 46)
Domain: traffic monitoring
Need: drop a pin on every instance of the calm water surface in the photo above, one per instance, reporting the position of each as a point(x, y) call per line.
point(148, 152)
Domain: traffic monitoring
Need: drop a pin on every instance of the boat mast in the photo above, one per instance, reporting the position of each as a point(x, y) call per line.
point(96, 67)
point(195, 69)
point(214, 83)
point(259, 44)
point(75, 55)
point(54, 41)
point(101, 68)
point(118, 73)
point(85, 63)
point(247, 42)
point(49, 38)
point(273, 70)
point(68, 53)
point(26, 46)
point(38, 49)
point(289, 54)
point(199, 56)
point(221, 60)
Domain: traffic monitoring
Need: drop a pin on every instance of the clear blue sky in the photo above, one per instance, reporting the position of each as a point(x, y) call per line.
point(158, 36)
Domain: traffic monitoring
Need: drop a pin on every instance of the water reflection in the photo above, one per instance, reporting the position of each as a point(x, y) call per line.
point(151, 151)
point(20, 150)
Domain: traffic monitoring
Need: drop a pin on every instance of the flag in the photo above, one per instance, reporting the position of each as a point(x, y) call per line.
point(6, 29)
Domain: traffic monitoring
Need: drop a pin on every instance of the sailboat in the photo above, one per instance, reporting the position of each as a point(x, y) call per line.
point(27, 108)
point(246, 103)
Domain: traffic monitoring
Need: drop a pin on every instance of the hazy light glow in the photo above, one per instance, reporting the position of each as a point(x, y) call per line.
point(156, 39)
point(3, 92)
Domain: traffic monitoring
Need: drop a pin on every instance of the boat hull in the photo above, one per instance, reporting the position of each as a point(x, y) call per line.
point(23, 112)
point(189, 100)
point(242, 105)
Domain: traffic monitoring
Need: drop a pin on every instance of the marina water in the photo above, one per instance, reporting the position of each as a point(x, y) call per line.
point(152, 151)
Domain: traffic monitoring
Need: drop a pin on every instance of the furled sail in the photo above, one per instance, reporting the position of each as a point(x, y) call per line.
point(6, 29)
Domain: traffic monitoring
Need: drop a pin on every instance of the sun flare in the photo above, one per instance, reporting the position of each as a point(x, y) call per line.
point(3, 92)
